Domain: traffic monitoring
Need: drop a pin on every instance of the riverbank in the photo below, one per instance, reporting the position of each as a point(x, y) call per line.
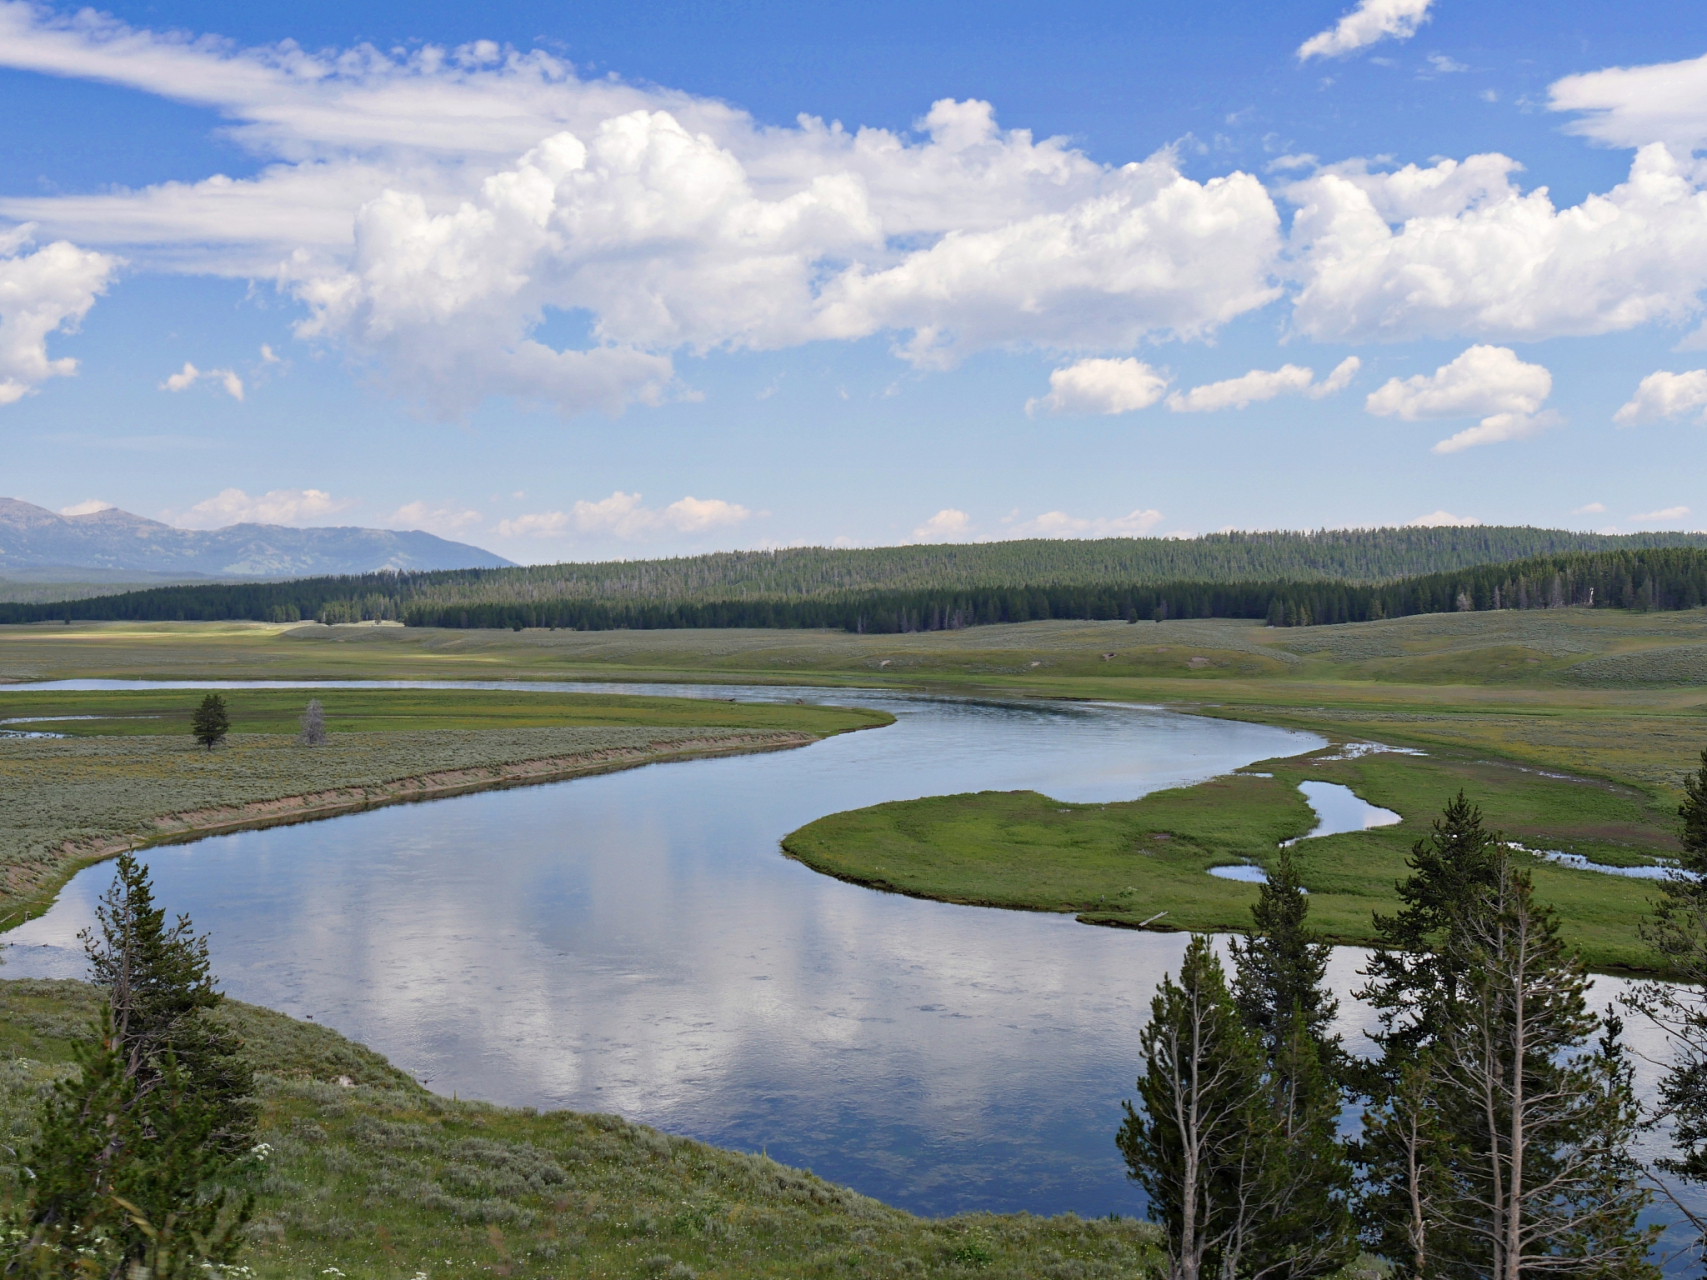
point(1146, 863)
point(67, 802)
point(373, 1176)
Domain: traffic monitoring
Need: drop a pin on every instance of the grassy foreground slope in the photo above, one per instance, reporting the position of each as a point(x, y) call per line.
point(1126, 864)
point(380, 1178)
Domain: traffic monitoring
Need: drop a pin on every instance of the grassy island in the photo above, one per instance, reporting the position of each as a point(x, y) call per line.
point(1146, 862)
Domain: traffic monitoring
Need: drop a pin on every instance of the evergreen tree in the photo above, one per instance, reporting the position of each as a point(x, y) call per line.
point(1413, 976)
point(1282, 968)
point(1282, 998)
point(1196, 1143)
point(211, 721)
point(1406, 1152)
point(1678, 931)
point(123, 1178)
point(1542, 1177)
point(1409, 1144)
point(159, 987)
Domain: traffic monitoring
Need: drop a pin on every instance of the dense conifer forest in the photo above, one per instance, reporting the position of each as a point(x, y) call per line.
point(1287, 579)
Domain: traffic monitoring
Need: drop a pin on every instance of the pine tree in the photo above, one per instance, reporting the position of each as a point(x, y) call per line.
point(1678, 931)
point(159, 987)
point(1406, 1153)
point(123, 1178)
point(1282, 998)
point(211, 721)
point(1413, 977)
point(1408, 1144)
point(1541, 1172)
point(1282, 968)
point(1197, 1144)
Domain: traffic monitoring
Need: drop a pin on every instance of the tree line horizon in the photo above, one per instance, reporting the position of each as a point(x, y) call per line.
point(909, 589)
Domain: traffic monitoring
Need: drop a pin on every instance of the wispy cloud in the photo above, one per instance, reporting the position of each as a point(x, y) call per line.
point(189, 375)
point(302, 507)
point(1371, 22)
point(623, 516)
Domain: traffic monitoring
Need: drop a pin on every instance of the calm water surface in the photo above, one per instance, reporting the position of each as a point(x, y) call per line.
point(635, 942)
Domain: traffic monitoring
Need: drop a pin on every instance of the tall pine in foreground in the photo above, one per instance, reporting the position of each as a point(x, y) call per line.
point(1283, 998)
point(1236, 1134)
point(140, 1150)
point(1678, 931)
point(158, 984)
point(1414, 978)
point(1198, 1140)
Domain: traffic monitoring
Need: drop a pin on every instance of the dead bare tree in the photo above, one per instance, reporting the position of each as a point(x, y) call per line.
point(313, 724)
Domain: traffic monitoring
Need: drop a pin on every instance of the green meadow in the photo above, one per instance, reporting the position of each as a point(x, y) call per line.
point(1147, 862)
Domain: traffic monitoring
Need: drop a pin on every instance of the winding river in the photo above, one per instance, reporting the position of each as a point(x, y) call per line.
point(635, 942)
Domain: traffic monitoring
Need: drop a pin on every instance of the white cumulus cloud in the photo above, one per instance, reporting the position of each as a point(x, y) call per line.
point(1101, 386)
point(1631, 106)
point(1486, 382)
point(429, 208)
point(301, 507)
point(1665, 395)
point(1264, 384)
point(1456, 248)
point(1372, 21)
point(1665, 515)
point(1442, 519)
point(945, 526)
point(189, 375)
point(86, 508)
point(622, 515)
point(42, 293)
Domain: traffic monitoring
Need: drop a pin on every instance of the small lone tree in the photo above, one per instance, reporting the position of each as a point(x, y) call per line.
point(313, 725)
point(211, 721)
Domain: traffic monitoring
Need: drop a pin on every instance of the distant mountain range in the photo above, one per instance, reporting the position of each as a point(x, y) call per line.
point(112, 546)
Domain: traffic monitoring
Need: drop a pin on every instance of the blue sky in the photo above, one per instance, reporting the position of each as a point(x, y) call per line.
point(592, 281)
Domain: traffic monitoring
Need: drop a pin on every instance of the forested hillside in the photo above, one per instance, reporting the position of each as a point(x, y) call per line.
point(1050, 580)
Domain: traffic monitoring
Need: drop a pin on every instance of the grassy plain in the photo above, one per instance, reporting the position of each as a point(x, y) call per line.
point(1603, 693)
point(384, 1179)
point(155, 712)
point(131, 775)
point(1125, 864)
